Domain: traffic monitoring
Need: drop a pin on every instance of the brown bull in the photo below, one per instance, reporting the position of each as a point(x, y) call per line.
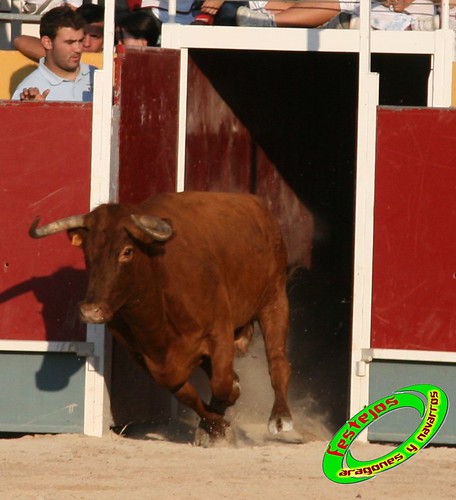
point(179, 279)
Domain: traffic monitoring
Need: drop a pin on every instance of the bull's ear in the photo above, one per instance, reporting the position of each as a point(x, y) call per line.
point(76, 237)
point(159, 229)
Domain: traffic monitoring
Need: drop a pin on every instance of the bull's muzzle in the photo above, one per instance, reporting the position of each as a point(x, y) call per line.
point(94, 313)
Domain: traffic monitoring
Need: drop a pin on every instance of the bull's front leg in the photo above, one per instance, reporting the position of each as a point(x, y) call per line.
point(225, 389)
point(175, 377)
point(212, 423)
point(225, 386)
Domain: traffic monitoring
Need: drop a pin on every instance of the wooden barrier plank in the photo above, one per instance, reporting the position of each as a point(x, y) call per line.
point(414, 245)
point(45, 165)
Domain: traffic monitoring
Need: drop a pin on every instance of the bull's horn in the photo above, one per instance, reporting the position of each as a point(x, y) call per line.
point(55, 227)
point(154, 226)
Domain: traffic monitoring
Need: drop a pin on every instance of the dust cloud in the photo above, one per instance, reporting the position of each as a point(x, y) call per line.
point(251, 413)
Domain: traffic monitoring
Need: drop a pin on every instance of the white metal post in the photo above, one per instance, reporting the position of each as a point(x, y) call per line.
point(182, 119)
point(368, 84)
point(441, 76)
point(103, 189)
point(172, 9)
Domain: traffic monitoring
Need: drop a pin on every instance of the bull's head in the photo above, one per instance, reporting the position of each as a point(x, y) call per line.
point(111, 242)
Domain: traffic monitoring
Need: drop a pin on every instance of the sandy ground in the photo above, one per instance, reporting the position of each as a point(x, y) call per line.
point(146, 462)
point(159, 465)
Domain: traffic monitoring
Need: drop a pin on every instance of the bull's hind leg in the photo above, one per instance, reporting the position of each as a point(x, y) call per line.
point(273, 321)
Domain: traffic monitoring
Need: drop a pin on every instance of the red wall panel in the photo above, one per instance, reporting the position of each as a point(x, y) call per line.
point(45, 170)
point(414, 287)
point(218, 145)
point(149, 97)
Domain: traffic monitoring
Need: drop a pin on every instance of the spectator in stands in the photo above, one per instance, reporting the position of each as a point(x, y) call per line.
point(389, 14)
point(32, 47)
point(60, 75)
point(138, 28)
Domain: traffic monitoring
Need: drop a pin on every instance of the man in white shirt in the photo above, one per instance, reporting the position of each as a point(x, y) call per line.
point(60, 76)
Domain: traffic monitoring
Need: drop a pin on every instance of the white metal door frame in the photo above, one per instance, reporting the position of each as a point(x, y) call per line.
point(439, 92)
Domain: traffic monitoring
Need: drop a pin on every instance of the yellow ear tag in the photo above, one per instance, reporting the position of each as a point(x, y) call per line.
point(76, 240)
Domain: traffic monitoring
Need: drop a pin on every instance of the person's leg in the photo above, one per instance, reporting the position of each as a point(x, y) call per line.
point(309, 14)
point(226, 16)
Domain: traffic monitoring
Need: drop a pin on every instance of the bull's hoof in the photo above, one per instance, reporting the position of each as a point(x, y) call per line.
point(202, 438)
point(280, 423)
point(207, 439)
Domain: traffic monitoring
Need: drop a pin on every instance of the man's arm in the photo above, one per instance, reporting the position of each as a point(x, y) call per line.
point(30, 46)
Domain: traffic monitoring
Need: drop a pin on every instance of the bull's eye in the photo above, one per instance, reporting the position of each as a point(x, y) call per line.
point(126, 254)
